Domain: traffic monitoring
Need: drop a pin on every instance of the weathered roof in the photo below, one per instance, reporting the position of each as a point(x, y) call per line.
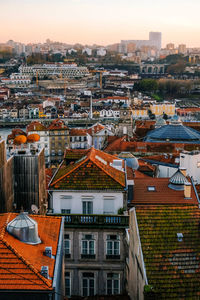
point(161, 195)
point(94, 171)
point(172, 266)
point(36, 126)
point(20, 263)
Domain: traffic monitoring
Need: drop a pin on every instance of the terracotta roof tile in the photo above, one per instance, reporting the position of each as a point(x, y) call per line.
point(163, 195)
point(172, 267)
point(20, 263)
point(92, 171)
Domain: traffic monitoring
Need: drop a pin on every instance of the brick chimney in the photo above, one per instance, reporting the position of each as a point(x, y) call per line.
point(187, 190)
point(183, 171)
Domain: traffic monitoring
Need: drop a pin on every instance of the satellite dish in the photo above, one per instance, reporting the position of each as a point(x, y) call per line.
point(34, 209)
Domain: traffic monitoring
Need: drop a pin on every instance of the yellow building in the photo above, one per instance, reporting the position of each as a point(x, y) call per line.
point(139, 113)
point(159, 109)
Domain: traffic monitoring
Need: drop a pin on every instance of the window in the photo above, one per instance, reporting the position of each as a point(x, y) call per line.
point(88, 246)
point(67, 246)
point(66, 211)
point(151, 188)
point(67, 284)
point(113, 247)
point(87, 207)
point(113, 284)
point(65, 204)
point(88, 284)
point(108, 205)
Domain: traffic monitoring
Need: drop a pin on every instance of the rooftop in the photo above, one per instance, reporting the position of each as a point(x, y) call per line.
point(172, 264)
point(94, 171)
point(18, 269)
point(155, 191)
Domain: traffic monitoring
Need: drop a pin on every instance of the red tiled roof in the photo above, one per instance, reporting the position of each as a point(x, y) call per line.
point(78, 132)
point(95, 129)
point(172, 266)
point(57, 125)
point(20, 263)
point(170, 159)
point(92, 171)
point(36, 126)
point(75, 154)
point(163, 195)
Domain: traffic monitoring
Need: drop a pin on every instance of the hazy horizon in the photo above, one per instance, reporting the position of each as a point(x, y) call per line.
point(99, 21)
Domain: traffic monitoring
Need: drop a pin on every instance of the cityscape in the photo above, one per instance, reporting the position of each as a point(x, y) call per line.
point(99, 150)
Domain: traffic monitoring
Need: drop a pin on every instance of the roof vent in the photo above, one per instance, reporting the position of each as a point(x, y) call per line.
point(24, 229)
point(48, 251)
point(177, 181)
point(45, 271)
point(180, 237)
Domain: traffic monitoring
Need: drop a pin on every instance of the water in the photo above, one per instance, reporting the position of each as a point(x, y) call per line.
point(4, 132)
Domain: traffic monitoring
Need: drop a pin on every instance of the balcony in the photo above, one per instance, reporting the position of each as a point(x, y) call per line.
point(94, 220)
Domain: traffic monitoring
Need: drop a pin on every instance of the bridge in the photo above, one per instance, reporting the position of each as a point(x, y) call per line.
point(21, 123)
point(152, 68)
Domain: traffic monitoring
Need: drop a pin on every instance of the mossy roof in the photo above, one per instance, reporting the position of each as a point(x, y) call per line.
point(172, 267)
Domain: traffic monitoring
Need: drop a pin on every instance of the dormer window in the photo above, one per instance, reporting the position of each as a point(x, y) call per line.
point(151, 188)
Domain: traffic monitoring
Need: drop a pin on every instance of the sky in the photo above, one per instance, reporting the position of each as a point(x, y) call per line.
point(100, 22)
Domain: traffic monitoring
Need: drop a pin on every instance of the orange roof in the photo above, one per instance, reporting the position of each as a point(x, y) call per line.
point(20, 263)
point(36, 126)
point(92, 171)
point(78, 132)
point(95, 129)
point(162, 195)
point(57, 125)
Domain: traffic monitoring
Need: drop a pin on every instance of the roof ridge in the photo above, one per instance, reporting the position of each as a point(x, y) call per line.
point(99, 166)
point(27, 263)
point(4, 227)
point(70, 171)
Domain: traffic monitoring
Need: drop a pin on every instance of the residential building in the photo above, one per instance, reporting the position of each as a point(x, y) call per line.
point(160, 109)
point(176, 190)
point(67, 70)
point(94, 184)
point(164, 252)
point(31, 261)
point(58, 140)
point(79, 139)
point(95, 253)
point(190, 160)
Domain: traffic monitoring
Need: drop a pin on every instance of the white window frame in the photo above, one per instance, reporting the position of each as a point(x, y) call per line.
point(88, 288)
point(69, 277)
point(113, 241)
point(67, 239)
point(88, 247)
point(119, 280)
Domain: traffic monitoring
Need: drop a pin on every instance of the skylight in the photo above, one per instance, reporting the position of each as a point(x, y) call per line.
point(151, 188)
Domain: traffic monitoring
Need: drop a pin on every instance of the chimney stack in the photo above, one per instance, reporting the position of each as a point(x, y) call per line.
point(183, 171)
point(187, 190)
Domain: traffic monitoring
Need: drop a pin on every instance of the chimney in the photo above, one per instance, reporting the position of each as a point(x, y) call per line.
point(187, 190)
point(48, 251)
point(130, 184)
point(45, 271)
point(183, 171)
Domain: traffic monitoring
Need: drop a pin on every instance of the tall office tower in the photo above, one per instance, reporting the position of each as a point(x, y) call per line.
point(156, 39)
point(182, 48)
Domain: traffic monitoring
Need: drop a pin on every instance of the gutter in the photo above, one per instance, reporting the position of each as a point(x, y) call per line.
point(140, 246)
point(195, 190)
point(58, 254)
